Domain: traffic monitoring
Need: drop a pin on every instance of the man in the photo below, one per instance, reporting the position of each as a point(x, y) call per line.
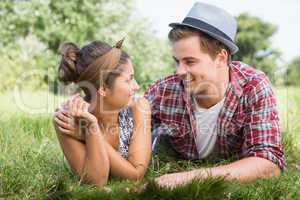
point(213, 107)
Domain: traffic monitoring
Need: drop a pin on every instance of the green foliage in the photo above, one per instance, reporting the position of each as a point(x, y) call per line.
point(32, 30)
point(253, 40)
point(151, 56)
point(293, 72)
point(26, 64)
point(55, 21)
point(49, 23)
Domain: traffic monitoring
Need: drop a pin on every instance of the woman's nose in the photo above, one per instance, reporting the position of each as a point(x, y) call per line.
point(136, 86)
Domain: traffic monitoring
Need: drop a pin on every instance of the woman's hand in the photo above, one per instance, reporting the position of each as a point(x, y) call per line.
point(83, 157)
point(66, 123)
point(79, 109)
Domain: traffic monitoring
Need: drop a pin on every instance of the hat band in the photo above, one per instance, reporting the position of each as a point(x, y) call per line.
point(197, 23)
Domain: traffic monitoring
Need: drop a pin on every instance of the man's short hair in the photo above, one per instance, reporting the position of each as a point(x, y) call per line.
point(207, 43)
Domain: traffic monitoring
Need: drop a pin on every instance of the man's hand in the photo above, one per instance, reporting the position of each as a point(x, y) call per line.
point(177, 179)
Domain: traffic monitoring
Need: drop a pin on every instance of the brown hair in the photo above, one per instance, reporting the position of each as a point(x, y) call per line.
point(207, 43)
point(75, 60)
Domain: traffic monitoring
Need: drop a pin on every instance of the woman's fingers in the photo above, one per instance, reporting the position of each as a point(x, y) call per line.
point(74, 106)
point(71, 107)
point(64, 131)
point(64, 124)
point(80, 108)
point(85, 107)
point(69, 102)
point(68, 118)
point(77, 106)
point(65, 104)
point(63, 116)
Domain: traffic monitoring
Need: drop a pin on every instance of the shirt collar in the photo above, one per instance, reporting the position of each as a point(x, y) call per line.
point(237, 78)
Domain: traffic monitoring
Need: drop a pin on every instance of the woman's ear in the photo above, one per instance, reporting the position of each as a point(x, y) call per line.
point(102, 91)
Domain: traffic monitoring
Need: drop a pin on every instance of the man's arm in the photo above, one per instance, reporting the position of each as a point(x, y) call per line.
point(244, 170)
point(261, 151)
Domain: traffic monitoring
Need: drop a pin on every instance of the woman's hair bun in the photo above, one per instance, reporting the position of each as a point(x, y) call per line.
point(67, 71)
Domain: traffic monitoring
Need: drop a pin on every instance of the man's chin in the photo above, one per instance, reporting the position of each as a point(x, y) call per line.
point(193, 92)
point(201, 93)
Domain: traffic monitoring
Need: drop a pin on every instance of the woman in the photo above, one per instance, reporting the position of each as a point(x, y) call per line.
point(107, 132)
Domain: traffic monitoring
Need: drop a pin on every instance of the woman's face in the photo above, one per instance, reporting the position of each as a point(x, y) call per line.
point(124, 88)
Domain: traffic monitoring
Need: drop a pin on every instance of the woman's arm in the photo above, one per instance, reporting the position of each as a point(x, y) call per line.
point(97, 161)
point(139, 148)
point(89, 160)
point(140, 145)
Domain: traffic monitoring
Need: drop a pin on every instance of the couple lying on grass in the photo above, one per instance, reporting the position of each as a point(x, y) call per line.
point(211, 107)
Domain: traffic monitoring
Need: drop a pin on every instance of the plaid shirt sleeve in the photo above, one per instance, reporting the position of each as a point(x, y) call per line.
point(262, 134)
point(158, 128)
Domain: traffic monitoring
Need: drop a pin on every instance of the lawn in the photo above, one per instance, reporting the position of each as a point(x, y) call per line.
point(32, 165)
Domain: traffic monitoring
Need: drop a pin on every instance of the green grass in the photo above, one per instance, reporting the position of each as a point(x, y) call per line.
point(32, 165)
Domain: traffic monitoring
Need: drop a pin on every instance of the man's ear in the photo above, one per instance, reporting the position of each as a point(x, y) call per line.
point(222, 58)
point(102, 91)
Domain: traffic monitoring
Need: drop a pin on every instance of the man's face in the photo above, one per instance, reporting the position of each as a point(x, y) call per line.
point(196, 68)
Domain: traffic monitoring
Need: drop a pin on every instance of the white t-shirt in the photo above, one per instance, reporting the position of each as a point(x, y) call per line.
point(207, 128)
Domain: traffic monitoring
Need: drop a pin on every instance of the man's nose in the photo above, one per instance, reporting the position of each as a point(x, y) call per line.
point(181, 70)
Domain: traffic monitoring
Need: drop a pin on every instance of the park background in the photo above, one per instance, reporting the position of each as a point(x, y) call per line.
point(31, 163)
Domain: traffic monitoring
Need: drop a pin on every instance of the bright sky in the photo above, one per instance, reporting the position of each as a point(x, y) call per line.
point(283, 13)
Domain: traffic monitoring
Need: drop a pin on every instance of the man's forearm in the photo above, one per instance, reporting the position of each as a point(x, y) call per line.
point(243, 170)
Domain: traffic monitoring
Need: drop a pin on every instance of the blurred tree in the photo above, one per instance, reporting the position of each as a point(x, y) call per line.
point(32, 30)
point(293, 72)
point(253, 40)
point(55, 21)
point(52, 22)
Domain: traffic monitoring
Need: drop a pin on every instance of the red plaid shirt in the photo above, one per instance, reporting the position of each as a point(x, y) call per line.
point(247, 125)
